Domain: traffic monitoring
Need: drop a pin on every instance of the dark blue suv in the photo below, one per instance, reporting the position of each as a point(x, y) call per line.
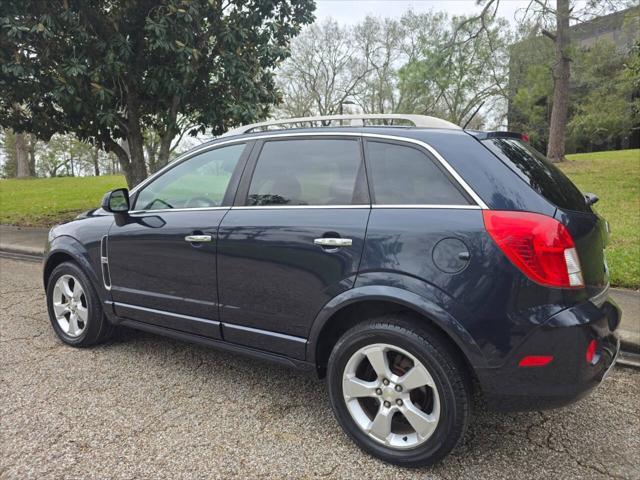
point(407, 264)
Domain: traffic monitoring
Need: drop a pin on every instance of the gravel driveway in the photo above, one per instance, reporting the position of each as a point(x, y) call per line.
point(148, 407)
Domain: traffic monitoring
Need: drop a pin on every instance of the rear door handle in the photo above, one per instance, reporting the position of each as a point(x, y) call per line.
point(198, 238)
point(333, 242)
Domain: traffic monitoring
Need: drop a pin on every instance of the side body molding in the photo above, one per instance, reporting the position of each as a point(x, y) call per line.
point(392, 288)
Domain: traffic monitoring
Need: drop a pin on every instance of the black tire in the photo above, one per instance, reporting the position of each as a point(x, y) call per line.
point(97, 328)
point(447, 371)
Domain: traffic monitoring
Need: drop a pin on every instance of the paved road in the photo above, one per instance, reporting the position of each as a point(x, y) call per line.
point(147, 407)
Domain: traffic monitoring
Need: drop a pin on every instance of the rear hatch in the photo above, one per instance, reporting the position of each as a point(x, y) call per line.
point(590, 231)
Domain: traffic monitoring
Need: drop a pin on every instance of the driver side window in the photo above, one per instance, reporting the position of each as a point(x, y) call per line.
point(199, 182)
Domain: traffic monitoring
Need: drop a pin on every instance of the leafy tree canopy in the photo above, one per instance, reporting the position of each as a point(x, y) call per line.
point(110, 70)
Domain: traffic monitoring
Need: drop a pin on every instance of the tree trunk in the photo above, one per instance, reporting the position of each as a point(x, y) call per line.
point(132, 162)
point(32, 155)
point(152, 156)
point(169, 134)
point(130, 153)
point(561, 76)
point(22, 156)
point(165, 148)
point(96, 161)
point(136, 170)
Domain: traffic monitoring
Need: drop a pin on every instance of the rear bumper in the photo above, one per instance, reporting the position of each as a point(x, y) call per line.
point(569, 377)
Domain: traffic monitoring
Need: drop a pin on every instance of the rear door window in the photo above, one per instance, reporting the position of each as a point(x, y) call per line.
point(309, 172)
point(404, 175)
point(541, 175)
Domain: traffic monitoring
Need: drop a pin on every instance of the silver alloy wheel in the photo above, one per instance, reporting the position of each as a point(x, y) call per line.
point(395, 402)
point(70, 305)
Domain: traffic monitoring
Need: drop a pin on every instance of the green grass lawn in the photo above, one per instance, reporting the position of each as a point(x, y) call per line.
point(613, 176)
point(42, 202)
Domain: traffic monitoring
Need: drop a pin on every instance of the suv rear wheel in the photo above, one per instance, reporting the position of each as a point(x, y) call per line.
point(74, 307)
point(398, 392)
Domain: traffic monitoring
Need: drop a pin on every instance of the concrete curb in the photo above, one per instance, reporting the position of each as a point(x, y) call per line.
point(22, 250)
point(24, 257)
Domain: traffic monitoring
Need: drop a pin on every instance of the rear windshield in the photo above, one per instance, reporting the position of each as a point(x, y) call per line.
point(535, 169)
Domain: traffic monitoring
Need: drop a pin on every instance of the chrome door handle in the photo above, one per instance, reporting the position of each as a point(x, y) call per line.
point(198, 238)
point(333, 242)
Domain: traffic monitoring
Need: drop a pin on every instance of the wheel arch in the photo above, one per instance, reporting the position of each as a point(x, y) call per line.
point(360, 304)
point(68, 249)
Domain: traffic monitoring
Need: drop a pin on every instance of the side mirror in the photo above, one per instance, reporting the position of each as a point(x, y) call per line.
point(116, 201)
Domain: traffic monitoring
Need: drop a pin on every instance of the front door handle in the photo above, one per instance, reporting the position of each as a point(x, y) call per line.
point(333, 242)
point(198, 238)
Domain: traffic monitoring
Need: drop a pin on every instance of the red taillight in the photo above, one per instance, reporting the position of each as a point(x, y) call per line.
point(591, 351)
point(540, 246)
point(535, 361)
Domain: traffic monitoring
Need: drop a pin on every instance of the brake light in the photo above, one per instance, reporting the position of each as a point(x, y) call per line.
point(540, 246)
point(535, 361)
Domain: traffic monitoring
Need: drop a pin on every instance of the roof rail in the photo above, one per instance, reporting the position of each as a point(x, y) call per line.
point(421, 121)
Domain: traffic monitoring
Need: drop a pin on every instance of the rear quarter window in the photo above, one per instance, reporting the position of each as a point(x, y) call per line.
point(541, 175)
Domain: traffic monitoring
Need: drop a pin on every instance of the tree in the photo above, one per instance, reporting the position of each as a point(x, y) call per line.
point(109, 71)
point(156, 153)
point(450, 78)
point(19, 154)
point(22, 156)
point(9, 153)
point(561, 75)
point(601, 97)
point(530, 86)
point(324, 70)
point(603, 90)
point(548, 18)
point(409, 65)
point(55, 159)
point(383, 44)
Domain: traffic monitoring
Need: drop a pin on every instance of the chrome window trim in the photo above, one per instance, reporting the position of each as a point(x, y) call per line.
point(165, 210)
point(428, 206)
point(336, 207)
point(480, 203)
point(285, 207)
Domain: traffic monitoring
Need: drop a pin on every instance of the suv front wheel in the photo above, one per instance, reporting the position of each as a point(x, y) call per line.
point(398, 392)
point(74, 307)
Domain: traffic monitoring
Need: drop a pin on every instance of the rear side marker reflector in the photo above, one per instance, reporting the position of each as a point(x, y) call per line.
point(540, 246)
point(591, 351)
point(536, 361)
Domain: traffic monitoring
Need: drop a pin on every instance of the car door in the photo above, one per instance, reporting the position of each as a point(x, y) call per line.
point(162, 254)
point(293, 239)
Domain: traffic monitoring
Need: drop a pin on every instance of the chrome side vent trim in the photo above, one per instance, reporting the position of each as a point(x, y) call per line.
point(104, 263)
